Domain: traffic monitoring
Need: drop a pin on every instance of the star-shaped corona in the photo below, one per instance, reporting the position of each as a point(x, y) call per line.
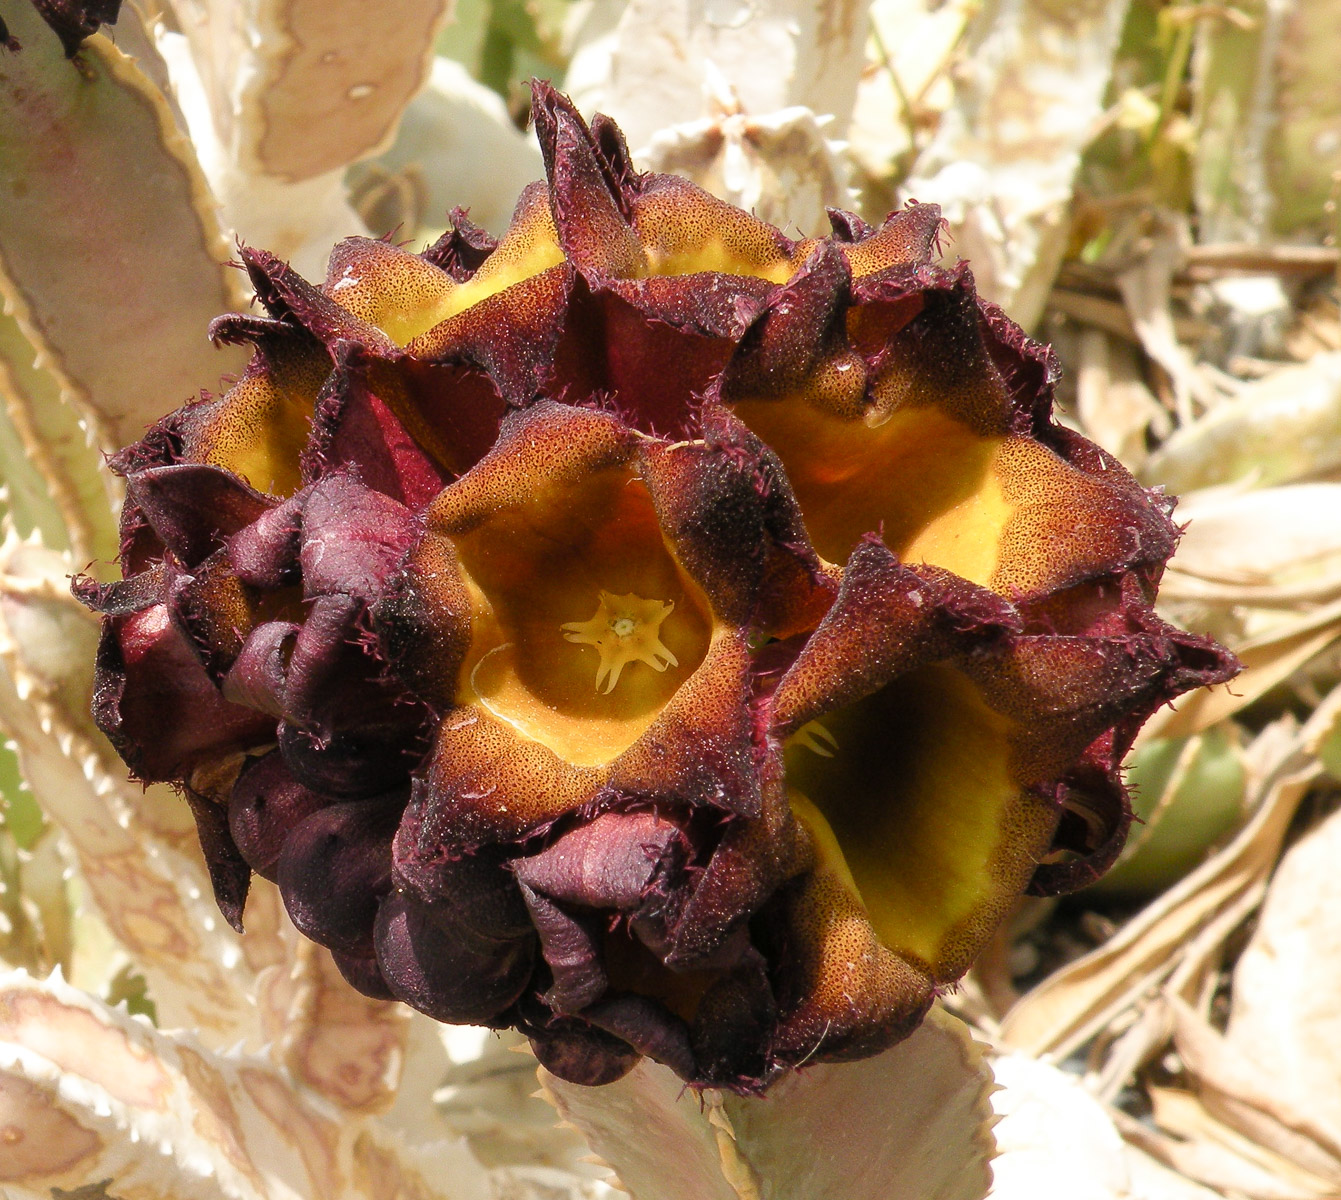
point(625, 629)
point(899, 622)
point(815, 738)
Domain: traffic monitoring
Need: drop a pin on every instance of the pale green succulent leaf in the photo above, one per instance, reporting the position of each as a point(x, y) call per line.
point(1188, 794)
point(665, 64)
point(456, 146)
point(46, 900)
point(57, 480)
point(136, 856)
point(1305, 145)
point(22, 813)
point(300, 88)
point(111, 258)
point(1269, 121)
point(337, 1043)
point(20, 936)
point(1004, 158)
point(1231, 107)
point(651, 1130)
point(100, 1098)
point(913, 1123)
point(1284, 427)
point(462, 36)
point(26, 503)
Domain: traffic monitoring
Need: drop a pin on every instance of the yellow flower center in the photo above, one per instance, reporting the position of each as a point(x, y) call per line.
point(625, 629)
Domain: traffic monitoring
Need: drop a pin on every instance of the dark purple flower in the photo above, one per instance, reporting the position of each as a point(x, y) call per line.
point(648, 631)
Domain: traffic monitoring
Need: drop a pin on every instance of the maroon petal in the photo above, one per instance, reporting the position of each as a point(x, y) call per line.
point(581, 1053)
point(649, 1028)
point(799, 340)
point(267, 803)
point(732, 1027)
point(360, 424)
point(348, 730)
point(335, 867)
point(363, 975)
point(265, 553)
point(285, 293)
point(449, 968)
point(213, 609)
point(462, 249)
point(909, 237)
point(1096, 815)
point(571, 947)
point(847, 226)
point(590, 212)
point(752, 859)
point(158, 707)
point(193, 508)
point(506, 340)
point(443, 397)
point(259, 674)
point(609, 862)
point(887, 619)
point(648, 348)
point(230, 874)
point(613, 151)
point(353, 539)
point(456, 936)
point(320, 651)
point(344, 765)
point(122, 597)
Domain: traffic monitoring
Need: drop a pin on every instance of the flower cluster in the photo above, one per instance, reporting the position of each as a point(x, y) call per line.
point(649, 631)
